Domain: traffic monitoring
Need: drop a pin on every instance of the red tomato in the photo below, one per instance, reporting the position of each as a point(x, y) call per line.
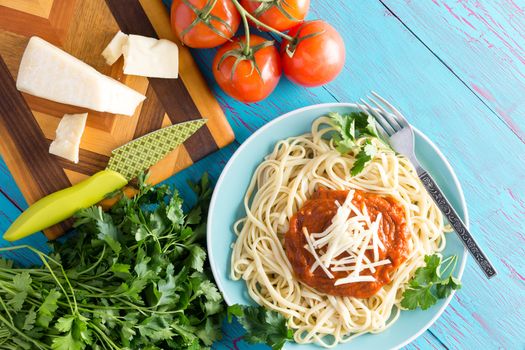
point(209, 30)
point(247, 78)
point(278, 14)
point(313, 60)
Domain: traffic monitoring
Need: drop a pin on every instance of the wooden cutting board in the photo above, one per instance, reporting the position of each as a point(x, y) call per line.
point(83, 28)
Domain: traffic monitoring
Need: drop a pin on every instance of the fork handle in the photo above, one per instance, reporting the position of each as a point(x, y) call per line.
point(457, 224)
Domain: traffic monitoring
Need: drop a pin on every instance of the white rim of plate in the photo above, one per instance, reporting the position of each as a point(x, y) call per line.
point(261, 130)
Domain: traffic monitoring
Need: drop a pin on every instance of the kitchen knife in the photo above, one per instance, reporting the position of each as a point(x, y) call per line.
point(126, 163)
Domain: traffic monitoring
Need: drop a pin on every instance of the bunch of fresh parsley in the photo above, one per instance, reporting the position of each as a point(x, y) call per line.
point(134, 277)
point(349, 128)
point(431, 282)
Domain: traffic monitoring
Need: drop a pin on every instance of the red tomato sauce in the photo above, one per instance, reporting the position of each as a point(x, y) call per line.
point(316, 215)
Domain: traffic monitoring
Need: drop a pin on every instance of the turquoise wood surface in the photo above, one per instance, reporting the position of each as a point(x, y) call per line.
point(457, 70)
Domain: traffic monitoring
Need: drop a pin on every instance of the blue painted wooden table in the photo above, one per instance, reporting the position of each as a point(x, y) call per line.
point(457, 69)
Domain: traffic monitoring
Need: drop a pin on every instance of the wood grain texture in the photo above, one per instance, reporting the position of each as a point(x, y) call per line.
point(486, 154)
point(172, 94)
point(26, 24)
point(190, 74)
point(18, 127)
point(151, 114)
point(85, 39)
point(482, 42)
point(39, 8)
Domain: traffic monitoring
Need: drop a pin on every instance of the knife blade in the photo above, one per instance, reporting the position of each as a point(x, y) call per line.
point(126, 162)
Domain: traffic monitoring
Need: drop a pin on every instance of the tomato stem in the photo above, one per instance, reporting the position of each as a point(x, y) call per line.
point(245, 14)
point(246, 27)
point(209, 7)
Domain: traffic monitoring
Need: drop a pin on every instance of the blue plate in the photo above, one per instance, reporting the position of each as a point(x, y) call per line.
point(226, 208)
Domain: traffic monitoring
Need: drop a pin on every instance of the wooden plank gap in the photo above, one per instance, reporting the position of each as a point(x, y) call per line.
point(11, 200)
point(452, 71)
point(437, 339)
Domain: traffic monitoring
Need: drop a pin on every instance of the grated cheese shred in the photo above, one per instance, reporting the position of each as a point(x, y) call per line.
point(343, 244)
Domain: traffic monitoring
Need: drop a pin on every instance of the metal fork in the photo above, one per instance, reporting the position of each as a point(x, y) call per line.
point(392, 124)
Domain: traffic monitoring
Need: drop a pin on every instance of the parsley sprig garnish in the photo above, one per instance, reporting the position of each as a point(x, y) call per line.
point(349, 128)
point(431, 282)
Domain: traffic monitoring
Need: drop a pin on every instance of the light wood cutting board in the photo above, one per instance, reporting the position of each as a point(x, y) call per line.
point(83, 28)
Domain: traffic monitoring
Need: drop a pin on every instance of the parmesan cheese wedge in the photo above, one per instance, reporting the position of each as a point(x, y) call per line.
point(48, 72)
point(113, 51)
point(68, 135)
point(151, 57)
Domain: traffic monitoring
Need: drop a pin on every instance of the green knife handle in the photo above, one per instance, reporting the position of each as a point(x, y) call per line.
point(61, 205)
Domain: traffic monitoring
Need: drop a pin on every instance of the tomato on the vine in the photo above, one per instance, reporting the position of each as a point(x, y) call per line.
point(315, 56)
point(248, 75)
point(204, 23)
point(278, 14)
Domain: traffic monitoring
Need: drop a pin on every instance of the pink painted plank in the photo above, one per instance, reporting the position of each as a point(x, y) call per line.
point(482, 42)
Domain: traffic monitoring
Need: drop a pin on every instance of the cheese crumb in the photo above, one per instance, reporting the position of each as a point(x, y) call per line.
point(68, 135)
point(113, 51)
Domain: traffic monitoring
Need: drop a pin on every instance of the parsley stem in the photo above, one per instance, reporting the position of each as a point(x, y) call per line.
point(22, 335)
point(451, 260)
point(101, 333)
point(146, 310)
point(4, 333)
point(6, 310)
point(94, 277)
point(96, 263)
point(75, 309)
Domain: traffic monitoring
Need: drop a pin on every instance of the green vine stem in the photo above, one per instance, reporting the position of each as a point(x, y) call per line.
point(245, 14)
point(204, 15)
point(209, 8)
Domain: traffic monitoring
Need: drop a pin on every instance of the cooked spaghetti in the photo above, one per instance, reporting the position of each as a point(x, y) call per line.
point(296, 171)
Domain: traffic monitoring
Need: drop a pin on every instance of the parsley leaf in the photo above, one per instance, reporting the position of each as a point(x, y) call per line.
point(104, 223)
point(156, 328)
point(265, 326)
point(64, 323)
point(196, 258)
point(234, 310)
point(22, 282)
point(167, 291)
point(29, 320)
point(47, 309)
point(445, 287)
point(428, 273)
point(66, 342)
point(349, 128)
point(17, 300)
point(210, 332)
point(418, 297)
point(427, 285)
point(174, 211)
point(365, 155)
